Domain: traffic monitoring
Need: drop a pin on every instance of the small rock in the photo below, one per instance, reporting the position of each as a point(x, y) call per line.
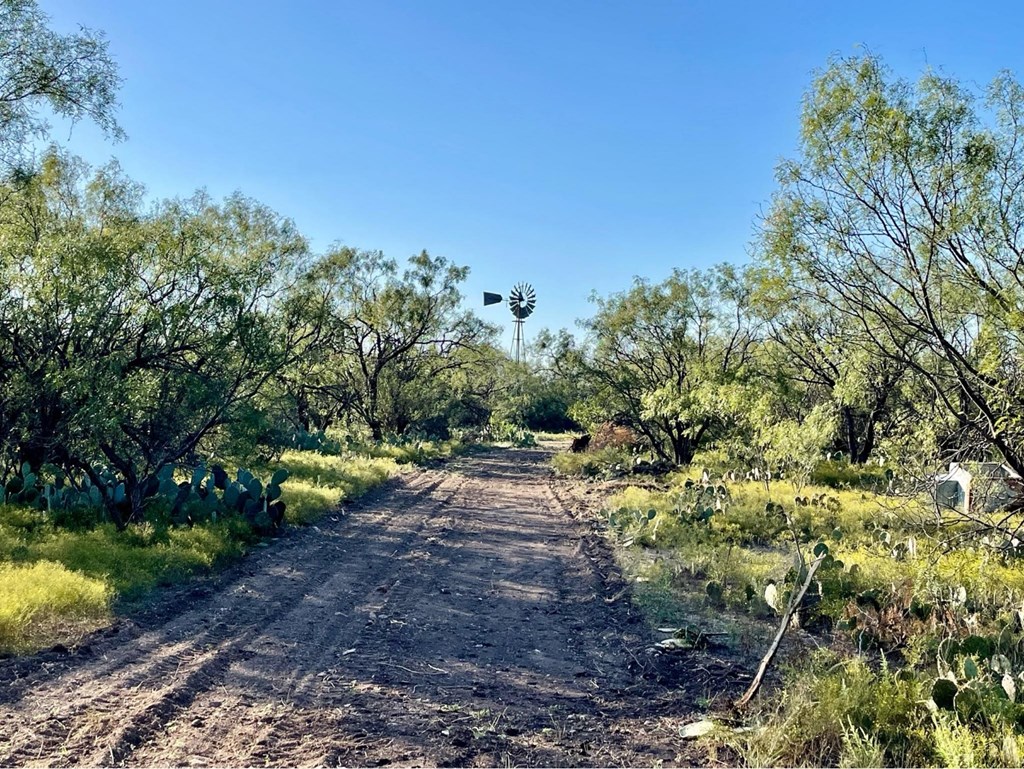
point(696, 730)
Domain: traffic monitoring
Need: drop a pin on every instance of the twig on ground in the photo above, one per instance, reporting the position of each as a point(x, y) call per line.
point(794, 604)
point(417, 672)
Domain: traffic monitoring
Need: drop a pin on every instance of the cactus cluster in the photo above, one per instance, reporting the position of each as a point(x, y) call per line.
point(21, 489)
point(26, 488)
point(208, 494)
point(975, 678)
point(261, 505)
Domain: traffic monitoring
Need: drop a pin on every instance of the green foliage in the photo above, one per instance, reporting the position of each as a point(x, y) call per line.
point(667, 359)
point(507, 432)
point(413, 451)
point(839, 712)
point(843, 475)
point(127, 324)
point(836, 712)
point(609, 462)
point(949, 621)
point(62, 580)
point(44, 602)
point(320, 483)
point(393, 345)
point(906, 197)
point(532, 397)
point(71, 75)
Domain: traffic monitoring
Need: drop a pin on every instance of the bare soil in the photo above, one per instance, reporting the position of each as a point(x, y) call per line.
point(463, 616)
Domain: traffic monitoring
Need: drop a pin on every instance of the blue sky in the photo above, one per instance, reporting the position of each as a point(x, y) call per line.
point(569, 144)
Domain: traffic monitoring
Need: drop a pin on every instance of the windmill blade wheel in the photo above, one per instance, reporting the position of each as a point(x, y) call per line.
point(522, 300)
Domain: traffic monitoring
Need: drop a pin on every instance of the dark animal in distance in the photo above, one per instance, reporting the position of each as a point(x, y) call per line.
point(579, 445)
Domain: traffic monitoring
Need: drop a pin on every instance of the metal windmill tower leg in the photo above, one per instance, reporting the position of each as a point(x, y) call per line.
point(517, 341)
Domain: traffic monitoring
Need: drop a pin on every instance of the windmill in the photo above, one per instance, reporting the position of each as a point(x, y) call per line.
point(521, 301)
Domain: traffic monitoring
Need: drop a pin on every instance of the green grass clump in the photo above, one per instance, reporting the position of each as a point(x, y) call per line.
point(843, 475)
point(895, 588)
point(548, 435)
point(134, 561)
point(845, 712)
point(593, 464)
point(45, 601)
point(321, 482)
point(842, 713)
point(412, 452)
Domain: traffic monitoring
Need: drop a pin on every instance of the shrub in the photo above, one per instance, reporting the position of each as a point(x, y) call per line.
point(608, 462)
point(843, 475)
point(612, 436)
point(841, 712)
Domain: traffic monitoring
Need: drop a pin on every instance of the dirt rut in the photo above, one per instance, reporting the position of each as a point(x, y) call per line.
point(458, 617)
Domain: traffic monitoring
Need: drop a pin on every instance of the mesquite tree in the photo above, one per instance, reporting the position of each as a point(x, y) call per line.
point(389, 336)
point(129, 337)
point(907, 206)
point(667, 358)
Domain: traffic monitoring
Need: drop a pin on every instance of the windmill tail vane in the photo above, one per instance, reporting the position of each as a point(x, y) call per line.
point(522, 300)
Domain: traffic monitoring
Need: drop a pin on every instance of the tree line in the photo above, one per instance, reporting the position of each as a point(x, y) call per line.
point(139, 336)
point(881, 315)
point(879, 318)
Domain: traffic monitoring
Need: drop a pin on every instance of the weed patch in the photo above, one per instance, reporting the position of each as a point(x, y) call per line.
point(57, 579)
point(606, 463)
point(938, 628)
point(45, 601)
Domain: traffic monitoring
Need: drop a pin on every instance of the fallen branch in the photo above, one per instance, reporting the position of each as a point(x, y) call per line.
point(794, 603)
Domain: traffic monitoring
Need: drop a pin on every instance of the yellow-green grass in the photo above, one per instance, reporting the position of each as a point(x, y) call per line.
point(846, 712)
point(835, 710)
point(56, 582)
point(129, 563)
point(415, 452)
point(43, 602)
point(743, 545)
point(589, 464)
point(321, 482)
point(547, 435)
point(903, 585)
point(743, 519)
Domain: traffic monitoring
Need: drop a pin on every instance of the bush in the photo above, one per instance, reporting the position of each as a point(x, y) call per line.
point(57, 581)
point(507, 432)
point(319, 482)
point(843, 475)
point(612, 436)
point(606, 463)
point(842, 713)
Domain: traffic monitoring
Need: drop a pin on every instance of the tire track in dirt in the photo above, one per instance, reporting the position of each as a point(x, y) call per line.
point(96, 712)
point(287, 656)
point(456, 619)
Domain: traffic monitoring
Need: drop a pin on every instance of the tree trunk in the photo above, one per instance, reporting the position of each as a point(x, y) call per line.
point(683, 449)
point(860, 435)
point(868, 444)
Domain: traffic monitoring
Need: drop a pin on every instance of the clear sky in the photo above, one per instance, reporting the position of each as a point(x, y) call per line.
point(569, 144)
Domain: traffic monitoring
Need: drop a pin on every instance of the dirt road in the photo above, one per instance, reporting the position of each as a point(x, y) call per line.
point(456, 617)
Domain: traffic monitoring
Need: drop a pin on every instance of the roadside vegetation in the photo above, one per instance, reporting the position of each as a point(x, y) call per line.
point(64, 576)
point(181, 379)
point(809, 400)
point(913, 651)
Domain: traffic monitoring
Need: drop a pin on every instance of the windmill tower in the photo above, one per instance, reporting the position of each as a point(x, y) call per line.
point(521, 301)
